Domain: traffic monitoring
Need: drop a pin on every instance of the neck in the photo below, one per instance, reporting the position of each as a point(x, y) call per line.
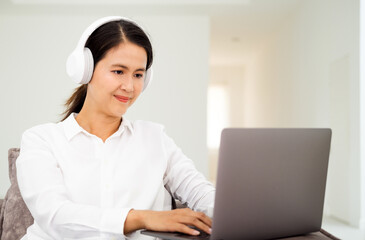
point(98, 124)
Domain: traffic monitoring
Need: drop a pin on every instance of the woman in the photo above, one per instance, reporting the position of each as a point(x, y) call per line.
point(96, 175)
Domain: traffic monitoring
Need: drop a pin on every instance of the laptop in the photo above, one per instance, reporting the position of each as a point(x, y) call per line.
point(270, 184)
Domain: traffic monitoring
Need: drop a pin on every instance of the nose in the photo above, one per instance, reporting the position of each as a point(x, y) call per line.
point(127, 84)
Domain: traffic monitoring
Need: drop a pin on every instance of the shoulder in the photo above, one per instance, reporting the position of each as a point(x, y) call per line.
point(146, 125)
point(43, 131)
point(147, 129)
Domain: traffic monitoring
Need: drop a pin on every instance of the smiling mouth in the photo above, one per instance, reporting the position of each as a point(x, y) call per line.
point(122, 99)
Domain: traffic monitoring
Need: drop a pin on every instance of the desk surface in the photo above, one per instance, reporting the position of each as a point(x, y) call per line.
point(322, 235)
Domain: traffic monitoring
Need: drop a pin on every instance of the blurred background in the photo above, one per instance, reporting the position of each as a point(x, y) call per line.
point(218, 63)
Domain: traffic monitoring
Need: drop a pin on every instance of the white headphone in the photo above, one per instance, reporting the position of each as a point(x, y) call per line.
point(80, 63)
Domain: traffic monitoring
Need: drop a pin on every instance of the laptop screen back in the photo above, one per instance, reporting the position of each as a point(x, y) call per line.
point(270, 182)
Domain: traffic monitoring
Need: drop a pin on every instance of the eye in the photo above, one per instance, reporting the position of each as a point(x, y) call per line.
point(138, 75)
point(119, 72)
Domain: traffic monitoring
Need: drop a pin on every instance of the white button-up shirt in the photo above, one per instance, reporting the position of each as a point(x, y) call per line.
point(78, 187)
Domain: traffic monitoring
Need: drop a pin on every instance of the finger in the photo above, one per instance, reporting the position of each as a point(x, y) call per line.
point(187, 230)
point(200, 215)
point(204, 218)
point(195, 222)
point(201, 225)
point(197, 219)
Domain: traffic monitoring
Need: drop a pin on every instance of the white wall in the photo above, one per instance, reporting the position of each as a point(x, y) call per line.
point(34, 85)
point(362, 109)
point(306, 74)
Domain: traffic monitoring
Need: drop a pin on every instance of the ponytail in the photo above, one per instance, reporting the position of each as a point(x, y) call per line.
point(75, 102)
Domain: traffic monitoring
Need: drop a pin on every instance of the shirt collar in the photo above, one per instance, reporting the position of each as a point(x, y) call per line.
point(125, 124)
point(72, 128)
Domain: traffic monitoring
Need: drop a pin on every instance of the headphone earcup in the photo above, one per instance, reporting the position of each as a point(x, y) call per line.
point(88, 66)
point(148, 78)
point(80, 66)
point(75, 67)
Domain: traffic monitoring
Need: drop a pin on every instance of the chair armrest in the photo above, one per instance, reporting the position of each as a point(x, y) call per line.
point(2, 202)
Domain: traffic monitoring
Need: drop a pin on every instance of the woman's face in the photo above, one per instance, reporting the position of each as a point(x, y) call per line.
point(118, 79)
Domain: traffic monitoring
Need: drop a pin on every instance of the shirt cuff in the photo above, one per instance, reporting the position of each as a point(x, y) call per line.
point(113, 219)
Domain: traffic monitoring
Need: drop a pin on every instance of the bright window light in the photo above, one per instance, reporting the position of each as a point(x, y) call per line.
point(218, 113)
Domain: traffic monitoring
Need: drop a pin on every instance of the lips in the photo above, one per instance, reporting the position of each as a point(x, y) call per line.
point(121, 98)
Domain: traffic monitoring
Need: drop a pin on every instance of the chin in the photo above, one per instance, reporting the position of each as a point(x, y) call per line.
point(119, 113)
point(115, 114)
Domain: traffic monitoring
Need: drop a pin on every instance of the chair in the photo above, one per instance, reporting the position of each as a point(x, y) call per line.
point(15, 217)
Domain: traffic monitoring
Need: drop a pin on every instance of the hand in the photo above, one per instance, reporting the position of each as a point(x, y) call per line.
point(176, 220)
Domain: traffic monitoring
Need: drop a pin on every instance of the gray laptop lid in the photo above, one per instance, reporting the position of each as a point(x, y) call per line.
point(270, 183)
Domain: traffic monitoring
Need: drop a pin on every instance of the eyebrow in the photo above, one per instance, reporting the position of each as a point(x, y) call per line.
point(123, 66)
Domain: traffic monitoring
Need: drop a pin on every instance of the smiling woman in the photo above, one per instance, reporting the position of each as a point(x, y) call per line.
point(96, 175)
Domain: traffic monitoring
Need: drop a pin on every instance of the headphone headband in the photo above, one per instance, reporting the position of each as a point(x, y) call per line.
point(80, 63)
point(95, 25)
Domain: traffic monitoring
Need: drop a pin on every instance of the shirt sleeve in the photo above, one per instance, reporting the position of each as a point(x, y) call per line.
point(42, 188)
point(185, 182)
